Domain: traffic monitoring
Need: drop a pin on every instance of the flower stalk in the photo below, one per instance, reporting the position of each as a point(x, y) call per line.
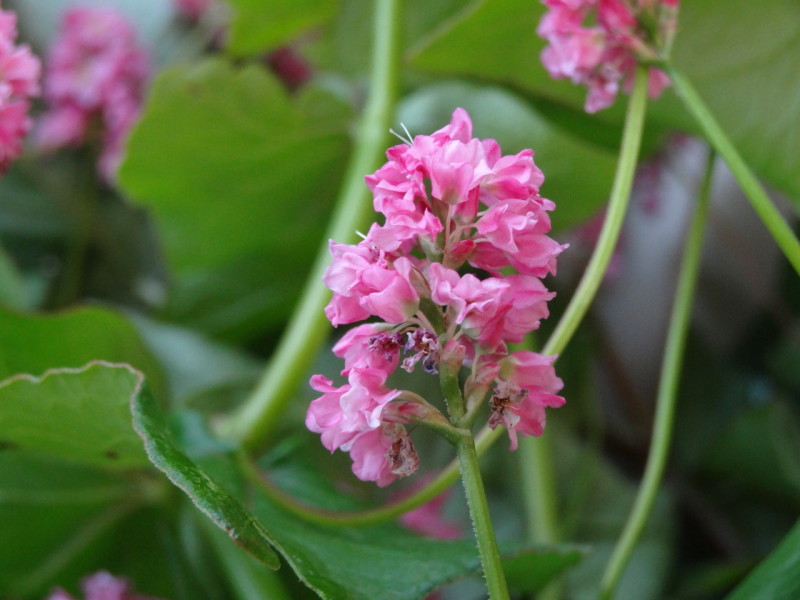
point(759, 200)
point(667, 392)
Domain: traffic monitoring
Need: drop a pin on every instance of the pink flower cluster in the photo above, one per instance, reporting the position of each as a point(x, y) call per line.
point(19, 81)
point(449, 201)
point(603, 56)
point(96, 74)
point(102, 586)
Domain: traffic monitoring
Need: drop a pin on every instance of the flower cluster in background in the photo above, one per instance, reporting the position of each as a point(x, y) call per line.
point(95, 79)
point(19, 82)
point(603, 55)
point(102, 586)
point(449, 201)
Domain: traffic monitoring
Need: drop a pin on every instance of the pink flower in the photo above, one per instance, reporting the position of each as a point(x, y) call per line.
point(448, 199)
point(95, 69)
point(428, 519)
point(527, 384)
point(102, 586)
point(604, 56)
point(19, 82)
point(382, 455)
point(364, 283)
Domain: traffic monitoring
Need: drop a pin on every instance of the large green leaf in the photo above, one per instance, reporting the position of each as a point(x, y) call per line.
point(778, 577)
point(240, 188)
point(31, 343)
point(260, 25)
point(78, 415)
point(500, 114)
point(207, 495)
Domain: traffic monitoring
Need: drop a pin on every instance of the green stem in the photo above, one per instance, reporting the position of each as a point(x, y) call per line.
point(539, 492)
point(617, 206)
point(759, 200)
point(667, 393)
point(308, 328)
point(481, 521)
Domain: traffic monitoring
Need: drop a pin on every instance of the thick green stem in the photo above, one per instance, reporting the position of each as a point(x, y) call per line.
point(307, 329)
point(759, 200)
point(667, 394)
point(481, 521)
point(617, 207)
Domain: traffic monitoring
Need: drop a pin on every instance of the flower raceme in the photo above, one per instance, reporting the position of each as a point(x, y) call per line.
point(603, 55)
point(451, 203)
point(95, 71)
point(19, 82)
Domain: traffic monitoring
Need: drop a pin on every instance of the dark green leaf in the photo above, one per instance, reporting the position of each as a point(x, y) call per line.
point(215, 502)
point(240, 189)
point(260, 25)
point(78, 415)
point(48, 514)
point(778, 577)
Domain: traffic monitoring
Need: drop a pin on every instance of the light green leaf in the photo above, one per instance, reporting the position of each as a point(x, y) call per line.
point(260, 25)
point(207, 495)
point(778, 577)
point(241, 189)
point(77, 415)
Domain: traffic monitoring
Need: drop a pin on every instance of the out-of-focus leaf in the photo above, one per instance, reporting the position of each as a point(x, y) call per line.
point(530, 571)
point(78, 415)
point(12, 289)
point(759, 448)
point(208, 496)
point(260, 25)
point(778, 577)
point(501, 115)
point(50, 514)
point(240, 189)
point(34, 343)
point(197, 369)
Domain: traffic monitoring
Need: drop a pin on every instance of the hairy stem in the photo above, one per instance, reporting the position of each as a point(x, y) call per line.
point(759, 200)
point(307, 328)
point(667, 393)
point(481, 520)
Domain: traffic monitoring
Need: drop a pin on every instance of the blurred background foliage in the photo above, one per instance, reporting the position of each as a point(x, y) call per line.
point(189, 266)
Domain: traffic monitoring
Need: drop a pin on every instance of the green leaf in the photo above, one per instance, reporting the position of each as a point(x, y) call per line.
point(31, 343)
point(752, 89)
point(499, 114)
point(78, 415)
point(54, 512)
point(241, 189)
point(778, 577)
point(260, 25)
point(208, 496)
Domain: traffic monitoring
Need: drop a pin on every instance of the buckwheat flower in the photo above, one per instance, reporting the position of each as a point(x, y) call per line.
point(598, 43)
point(95, 73)
point(19, 82)
point(448, 201)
